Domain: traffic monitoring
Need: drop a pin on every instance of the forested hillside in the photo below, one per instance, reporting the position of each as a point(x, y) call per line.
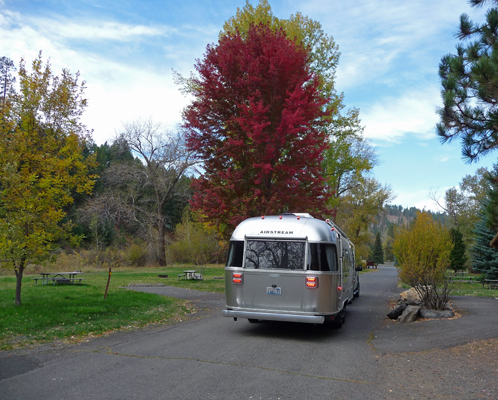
point(392, 216)
point(397, 215)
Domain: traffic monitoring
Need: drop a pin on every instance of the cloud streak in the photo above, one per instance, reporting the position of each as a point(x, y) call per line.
point(413, 113)
point(117, 92)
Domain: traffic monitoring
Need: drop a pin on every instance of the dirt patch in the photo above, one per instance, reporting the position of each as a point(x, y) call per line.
point(469, 371)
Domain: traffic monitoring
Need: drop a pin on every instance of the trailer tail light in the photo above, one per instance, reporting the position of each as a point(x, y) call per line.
point(312, 282)
point(237, 278)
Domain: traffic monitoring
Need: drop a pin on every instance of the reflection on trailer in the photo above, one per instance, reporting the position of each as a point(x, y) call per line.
point(291, 267)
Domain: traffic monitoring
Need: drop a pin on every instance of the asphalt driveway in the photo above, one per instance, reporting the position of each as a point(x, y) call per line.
point(211, 357)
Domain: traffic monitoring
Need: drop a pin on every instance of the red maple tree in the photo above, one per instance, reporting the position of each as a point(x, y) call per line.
point(257, 124)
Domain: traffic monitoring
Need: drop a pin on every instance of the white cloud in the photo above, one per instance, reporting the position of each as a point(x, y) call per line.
point(131, 95)
point(376, 37)
point(412, 113)
point(95, 30)
point(116, 92)
point(63, 28)
point(442, 158)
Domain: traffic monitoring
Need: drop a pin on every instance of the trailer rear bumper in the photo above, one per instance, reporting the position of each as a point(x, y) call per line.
point(307, 319)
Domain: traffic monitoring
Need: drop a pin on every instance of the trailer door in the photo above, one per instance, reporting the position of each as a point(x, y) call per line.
point(273, 273)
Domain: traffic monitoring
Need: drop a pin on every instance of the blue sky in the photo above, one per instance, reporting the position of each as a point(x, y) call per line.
point(390, 51)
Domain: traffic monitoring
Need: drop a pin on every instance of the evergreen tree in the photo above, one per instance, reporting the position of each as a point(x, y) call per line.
point(470, 86)
point(484, 257)
point(378, 252)
point(389, 251)
point(457, 255)
point(6, 78)
point(491, 207)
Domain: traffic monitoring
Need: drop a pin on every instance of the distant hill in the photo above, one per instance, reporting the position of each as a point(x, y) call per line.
point(397, 215)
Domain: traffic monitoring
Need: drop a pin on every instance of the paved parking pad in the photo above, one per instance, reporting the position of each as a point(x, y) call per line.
point(211, 357)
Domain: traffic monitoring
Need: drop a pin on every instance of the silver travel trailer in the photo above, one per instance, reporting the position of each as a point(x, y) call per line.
point(291, 267)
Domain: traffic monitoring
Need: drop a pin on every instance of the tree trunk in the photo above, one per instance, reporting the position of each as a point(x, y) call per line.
point(333, 215)
point(161, 257)
point(19, 273)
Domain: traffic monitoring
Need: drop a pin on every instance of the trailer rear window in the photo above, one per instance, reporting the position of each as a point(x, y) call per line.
point(274, 254)
point(235, 253)
point(322, 257)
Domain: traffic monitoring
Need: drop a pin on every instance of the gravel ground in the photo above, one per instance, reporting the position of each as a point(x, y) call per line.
point(463, 372)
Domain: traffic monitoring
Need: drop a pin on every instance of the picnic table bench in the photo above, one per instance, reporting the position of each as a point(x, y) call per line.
point(191, 274)
point(59, 277)
point(460, 280)
point(371, 264)
point(492, 284)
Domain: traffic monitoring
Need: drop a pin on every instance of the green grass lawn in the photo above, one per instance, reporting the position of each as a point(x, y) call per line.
point(466, 285)
point(76, 311)
point(472, 289)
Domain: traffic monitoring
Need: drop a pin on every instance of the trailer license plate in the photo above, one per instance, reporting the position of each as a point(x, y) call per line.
point(274, 290)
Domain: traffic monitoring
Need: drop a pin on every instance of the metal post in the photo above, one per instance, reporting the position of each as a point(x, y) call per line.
point(108, 280)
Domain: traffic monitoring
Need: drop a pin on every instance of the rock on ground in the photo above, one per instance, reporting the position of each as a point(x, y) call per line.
point(396, 312)
point(410, 297)
point(434, 314)
point(410, 314)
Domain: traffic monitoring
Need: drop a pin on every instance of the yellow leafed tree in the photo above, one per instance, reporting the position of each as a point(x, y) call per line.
point(423, 255)
point(42, 165)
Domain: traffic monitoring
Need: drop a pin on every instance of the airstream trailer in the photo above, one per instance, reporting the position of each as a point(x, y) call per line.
point(290, 267)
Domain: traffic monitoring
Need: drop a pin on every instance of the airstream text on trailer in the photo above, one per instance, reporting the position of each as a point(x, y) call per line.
point(291, 267)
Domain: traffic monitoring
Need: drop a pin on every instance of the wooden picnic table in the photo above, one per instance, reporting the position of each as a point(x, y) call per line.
point(371, 264)
point(59, 277)
point(492, 284)
point(190, 274)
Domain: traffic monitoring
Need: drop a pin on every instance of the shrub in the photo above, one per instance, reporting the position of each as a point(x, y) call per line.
point(195, 243)
point(423, 254)
point(137, 255)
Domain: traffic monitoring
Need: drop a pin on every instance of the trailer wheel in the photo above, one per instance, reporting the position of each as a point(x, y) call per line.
point(340, 318)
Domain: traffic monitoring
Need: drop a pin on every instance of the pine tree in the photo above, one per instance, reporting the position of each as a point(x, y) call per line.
point(6, 78)
point(457, 255)
point(491, 205)
point(378, 252)
point(484, 257)
point(470, 86)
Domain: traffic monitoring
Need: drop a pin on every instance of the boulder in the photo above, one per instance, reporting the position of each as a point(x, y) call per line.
point(410, 297)
point(396, 312)
point(434, 314)
point(410, 314)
